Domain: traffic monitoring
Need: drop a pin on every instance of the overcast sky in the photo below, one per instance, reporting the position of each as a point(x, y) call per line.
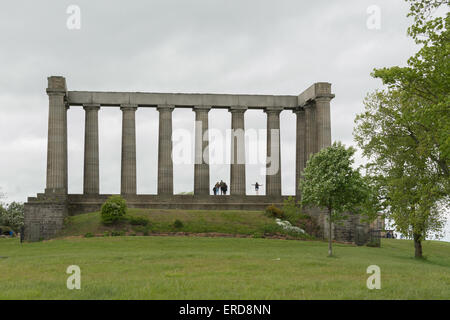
point(201, 46)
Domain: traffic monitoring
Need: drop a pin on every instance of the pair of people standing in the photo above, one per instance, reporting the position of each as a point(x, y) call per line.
point(220, 187)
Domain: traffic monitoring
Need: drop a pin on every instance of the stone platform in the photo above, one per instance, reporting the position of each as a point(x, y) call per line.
point(80, 203)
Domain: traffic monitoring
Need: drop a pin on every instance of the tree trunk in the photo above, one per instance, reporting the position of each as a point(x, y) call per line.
point(417, 246)
point(330, 249)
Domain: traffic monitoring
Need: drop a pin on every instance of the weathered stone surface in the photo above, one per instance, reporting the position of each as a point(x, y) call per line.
point(237, 167)
point(300, 154)
point(273, 166)
point(44, 217)
point(181, 100)
point(57, 136)
point(165, 162)
point(201, 165)
point(91, 156)
point(128, 164)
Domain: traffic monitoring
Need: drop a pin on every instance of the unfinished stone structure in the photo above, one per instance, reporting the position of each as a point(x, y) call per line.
point(45, 213)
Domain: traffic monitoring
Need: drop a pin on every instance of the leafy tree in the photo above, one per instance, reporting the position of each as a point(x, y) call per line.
point(12, 215)
point(404, 131)
point(329, 181)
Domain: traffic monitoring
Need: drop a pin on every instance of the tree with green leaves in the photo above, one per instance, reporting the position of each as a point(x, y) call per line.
point(12, 215)
point(329, 181)
point(405, 129)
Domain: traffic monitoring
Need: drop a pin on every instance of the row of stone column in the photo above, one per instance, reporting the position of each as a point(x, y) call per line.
point(165, 164)
point(313, 133)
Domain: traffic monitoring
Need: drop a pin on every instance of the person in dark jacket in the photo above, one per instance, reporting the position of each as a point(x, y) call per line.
point(221, 184)
point(224, 189)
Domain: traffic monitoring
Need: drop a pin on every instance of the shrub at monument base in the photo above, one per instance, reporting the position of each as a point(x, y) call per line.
point(178, 224)
point(137, 221)
point(113, 210)
point(273, 211)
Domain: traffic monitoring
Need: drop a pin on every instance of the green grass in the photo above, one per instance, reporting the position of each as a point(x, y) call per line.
point(219, 268)
point(251, 223)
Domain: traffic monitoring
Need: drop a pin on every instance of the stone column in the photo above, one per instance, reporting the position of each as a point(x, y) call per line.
point(201, 166)
point(57, 137)
point(128, 170)
point(165, 163)
point(300, 160)
point(323, 125)
point(273, 166)
point(91, 159)
point(310, 130)
point(237, 170)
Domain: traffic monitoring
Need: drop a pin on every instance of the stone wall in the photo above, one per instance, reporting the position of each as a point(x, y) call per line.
point(44, 218)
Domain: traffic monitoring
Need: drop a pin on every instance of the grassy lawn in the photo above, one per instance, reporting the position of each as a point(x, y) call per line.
point(251, 223)
point(219, 268)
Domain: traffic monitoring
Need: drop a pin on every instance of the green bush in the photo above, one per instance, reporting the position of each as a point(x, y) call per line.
point(292, 212)
point(117, 233)
point(274, 212)
point(88, 235)
point(272, 229)
point(138, 221)
point(5, 230)
point(113, 210)
point(140, 228)
point(178, 224)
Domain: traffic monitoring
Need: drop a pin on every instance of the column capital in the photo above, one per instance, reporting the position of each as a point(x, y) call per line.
point(275, 110)
point(128, 107)
point(165, 107)
point(324, 97)
point(56, 86)
point(201, 108)
point(308, 105)
point(298, 110)
point(91, 106)
point(55, 92)
point(237, 109)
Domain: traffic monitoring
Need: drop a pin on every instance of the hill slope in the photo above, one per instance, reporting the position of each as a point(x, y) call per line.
point(244, 223)
point(219, 268)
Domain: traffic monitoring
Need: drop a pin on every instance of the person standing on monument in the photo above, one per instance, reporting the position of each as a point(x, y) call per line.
point(217, 186)
point(224, 189)
point(221, 184)
point(257, 185)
